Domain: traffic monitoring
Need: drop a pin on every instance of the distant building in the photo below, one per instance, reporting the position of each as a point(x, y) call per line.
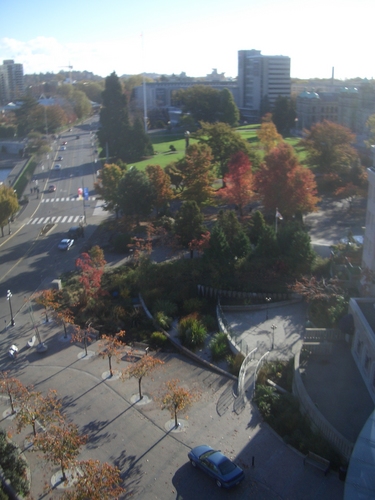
point(314, 108)
point(160, 94)
point(261, 80)
point(11, 81)
point(347, 106)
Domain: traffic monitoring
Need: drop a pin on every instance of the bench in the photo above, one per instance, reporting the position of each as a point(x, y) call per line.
point(317, 461)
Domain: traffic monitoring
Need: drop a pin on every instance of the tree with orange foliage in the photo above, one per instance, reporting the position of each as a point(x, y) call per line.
point(47, 299)
point(196, 168)
point(12, 387)
point(111, 346)
point(268, 135)
point(33, 407)
point(64, 317)
point(238, 182)
point(283, 183)
point(142, 368)
point(60, 443)
point(96, 481)
point(82, 335)
point(176, 398)
point(161, 182)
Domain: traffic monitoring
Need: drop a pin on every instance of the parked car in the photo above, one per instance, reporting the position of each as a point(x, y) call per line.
point(75, 232)
point(52, 188)
point(65, 143)
point(57, 166)
point(60, 158)
point(225, 472)
point(77, 136)
point(65, 244)
point(63, 148)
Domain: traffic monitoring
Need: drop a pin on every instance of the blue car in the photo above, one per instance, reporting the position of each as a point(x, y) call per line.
point(215, 464)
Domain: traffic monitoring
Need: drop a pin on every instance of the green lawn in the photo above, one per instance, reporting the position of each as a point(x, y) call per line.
point(164, 156)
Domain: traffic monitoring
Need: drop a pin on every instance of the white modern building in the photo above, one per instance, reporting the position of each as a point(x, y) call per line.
point(261, 80)
point(11, 81)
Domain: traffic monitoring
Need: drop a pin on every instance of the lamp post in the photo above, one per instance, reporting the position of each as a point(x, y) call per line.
point(9, 296)
point(268, 300)
point(273, 327)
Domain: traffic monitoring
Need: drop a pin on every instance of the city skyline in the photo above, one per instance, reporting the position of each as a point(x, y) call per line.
point(158, 37)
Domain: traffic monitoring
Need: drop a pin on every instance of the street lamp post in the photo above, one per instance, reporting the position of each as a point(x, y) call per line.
point(268, 300)
point(9, 296)
point(273, 335)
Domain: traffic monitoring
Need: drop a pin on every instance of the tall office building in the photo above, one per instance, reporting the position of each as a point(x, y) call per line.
point(11, 81)
point(261, 79)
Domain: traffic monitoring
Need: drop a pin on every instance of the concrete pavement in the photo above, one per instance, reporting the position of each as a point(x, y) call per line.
point(137, 438)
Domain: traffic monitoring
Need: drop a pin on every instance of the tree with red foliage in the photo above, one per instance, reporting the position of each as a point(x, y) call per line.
point(199, 244)
point(238, 181)
point(91, 266)
point(283, 183)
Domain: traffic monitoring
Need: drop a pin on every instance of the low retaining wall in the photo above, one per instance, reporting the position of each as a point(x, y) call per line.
point(337, 440)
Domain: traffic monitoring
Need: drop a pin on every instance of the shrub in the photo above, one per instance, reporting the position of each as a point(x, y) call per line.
point(165, 306)
point(210, 322)
point(163, 320)
point(13, 465)
point(193, 305)
point(219, 346)
point(192, 331)
point(158, 339)
point(172, 148)
point(235, 363)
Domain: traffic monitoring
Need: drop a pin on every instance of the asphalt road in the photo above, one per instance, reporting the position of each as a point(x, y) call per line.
point(28, 258)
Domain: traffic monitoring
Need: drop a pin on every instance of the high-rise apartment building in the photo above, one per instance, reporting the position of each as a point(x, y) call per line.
point(11, 81)
point(261, 80)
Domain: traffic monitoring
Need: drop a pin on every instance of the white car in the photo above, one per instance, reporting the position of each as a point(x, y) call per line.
point(65, 244)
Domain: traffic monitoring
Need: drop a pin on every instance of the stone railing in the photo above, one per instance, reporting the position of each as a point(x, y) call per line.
point(323, 335)
point(337, 440)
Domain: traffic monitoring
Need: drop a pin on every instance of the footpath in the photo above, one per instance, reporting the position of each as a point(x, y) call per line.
point(138, 437)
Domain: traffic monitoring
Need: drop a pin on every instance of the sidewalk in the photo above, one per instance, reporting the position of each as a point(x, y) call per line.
point(153, 460)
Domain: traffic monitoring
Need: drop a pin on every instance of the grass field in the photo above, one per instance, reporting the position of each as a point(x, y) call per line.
point(164, 156)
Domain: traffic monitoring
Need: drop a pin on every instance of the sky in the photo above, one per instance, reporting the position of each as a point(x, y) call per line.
point(165, 36)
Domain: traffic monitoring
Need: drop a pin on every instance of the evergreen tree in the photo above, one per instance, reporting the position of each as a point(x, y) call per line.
point(140, 144)
point(189, 223)
point(228, 111)
point(237, 240)
point(115, 130)
point(258, 225)
point(136, 194)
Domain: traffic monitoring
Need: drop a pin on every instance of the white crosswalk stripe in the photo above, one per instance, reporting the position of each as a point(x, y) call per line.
point(56, 220)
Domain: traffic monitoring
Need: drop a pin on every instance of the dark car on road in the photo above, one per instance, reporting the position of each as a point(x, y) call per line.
point(75, 232)
point(225, 472)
